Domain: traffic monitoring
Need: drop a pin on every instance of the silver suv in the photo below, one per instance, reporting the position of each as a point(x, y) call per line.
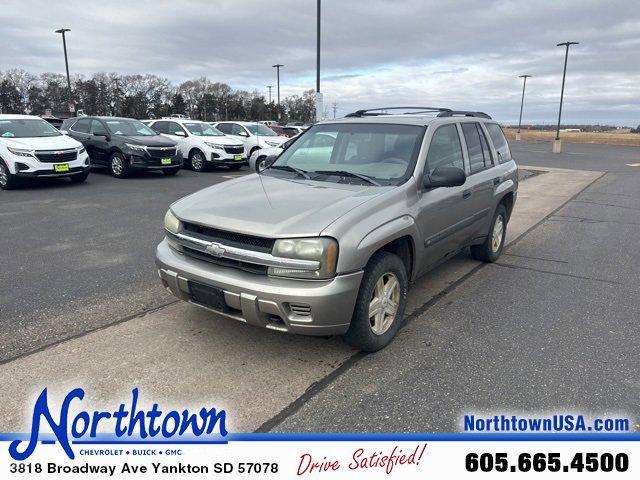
point(328, 237)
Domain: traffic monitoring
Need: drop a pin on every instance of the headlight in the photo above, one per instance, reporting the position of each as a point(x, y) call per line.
point(321, 249)
point(214, 145)
point(21, 152)
point(272, 144)
point(81, 150)
point(135, 148)
point(171, 222)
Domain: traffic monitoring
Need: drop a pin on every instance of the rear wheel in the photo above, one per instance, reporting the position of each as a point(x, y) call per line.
point(118, 165)
point(492, 247)
point(380, 305)
point(197, 161)
point(7, 179)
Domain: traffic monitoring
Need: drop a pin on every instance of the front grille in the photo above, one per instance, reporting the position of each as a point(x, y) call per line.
point(161, 152)
point(234, 149)
point(56, 156)
point(226, 262)
point(248, 242)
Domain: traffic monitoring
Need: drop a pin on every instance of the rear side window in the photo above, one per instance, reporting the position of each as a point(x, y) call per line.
point(81, 125)
point(499, 142)
point(477, 147)
point(445, 149)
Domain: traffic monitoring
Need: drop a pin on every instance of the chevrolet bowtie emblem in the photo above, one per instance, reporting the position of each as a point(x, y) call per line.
point(215, 249)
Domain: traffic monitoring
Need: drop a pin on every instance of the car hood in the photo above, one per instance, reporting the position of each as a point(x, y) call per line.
point(221, 140)
point(273, 207)
point(148, 141)
point(41, 143)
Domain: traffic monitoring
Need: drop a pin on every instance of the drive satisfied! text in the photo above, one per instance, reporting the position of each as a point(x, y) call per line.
point(111, 470)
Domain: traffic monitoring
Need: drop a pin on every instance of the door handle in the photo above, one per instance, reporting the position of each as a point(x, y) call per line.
point(497, 181)
point(466, 194)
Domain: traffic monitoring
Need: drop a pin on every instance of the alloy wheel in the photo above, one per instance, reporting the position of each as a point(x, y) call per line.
point(384, 303)
point(117, 166)
point(4, 178)
point(496, 236)
point(197, 162)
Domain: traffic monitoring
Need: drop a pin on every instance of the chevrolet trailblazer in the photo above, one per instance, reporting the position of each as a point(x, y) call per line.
point(327, 238)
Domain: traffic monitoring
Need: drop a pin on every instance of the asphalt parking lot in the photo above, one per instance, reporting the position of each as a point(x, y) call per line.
point(81, 304)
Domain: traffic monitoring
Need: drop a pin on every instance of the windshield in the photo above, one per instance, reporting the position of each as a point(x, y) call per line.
point(260, 130)
point(202, 129)
point(383, 152)
point(27, 128)
point(129, 127)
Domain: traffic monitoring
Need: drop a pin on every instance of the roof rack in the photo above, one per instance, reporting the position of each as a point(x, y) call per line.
point(463, 113)
point(372, 112)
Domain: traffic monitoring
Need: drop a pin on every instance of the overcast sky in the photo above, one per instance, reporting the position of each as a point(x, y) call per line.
point(460, 54)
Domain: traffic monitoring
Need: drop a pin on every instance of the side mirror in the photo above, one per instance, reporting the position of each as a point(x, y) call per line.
point(98, 134)
point(445, 177)
point(243, 134)
point(180, 134)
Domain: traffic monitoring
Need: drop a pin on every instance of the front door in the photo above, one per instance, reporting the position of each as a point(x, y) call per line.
point(99, 142)
point(442, 214)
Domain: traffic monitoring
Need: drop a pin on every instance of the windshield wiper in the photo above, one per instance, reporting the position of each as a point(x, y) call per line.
point(289, 168)
point(344, 173)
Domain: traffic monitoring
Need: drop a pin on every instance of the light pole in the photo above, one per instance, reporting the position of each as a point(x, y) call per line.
point(557, 144)
point(277, 67)
point(318, 94)
point(524, 85)
point(269, 87)
point(66, 64)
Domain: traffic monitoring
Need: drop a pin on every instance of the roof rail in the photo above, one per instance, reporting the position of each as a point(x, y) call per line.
point(372, 112)
point(463, 113)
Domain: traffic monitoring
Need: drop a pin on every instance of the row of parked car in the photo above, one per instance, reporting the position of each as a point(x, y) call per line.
point(30, 147)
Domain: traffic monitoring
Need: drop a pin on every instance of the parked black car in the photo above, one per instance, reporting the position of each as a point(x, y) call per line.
point(123, 145)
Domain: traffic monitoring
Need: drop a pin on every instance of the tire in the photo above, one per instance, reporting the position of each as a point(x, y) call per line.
point(234, 167)
point(197, 161)
point(253, 150)
point(170, 172)
point(79, 178)
point(8, 180)
point(492, 247)
point(118, 166)
point(259, 161)
point(371, 336)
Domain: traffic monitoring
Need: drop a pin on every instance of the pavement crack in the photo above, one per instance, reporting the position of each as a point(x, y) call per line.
point(593, 220)
point(579, 277)
point(607, 205)
point(535, 258)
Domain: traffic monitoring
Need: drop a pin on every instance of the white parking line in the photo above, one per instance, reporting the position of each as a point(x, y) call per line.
point(633, 164)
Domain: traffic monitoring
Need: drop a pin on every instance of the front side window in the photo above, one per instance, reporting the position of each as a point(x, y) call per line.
point(224, 127)
point(445, 149)
point(341, 153)
point(260, 130)
point(200, 129)
point(129, 127)
point(97, 127)
point(499, 142)
point(160, 127)
point(82, 126)
point(174, 128)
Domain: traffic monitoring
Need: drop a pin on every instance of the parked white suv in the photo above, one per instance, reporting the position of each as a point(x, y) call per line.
point(201, 144)
point(31, 147)
point(254, 135)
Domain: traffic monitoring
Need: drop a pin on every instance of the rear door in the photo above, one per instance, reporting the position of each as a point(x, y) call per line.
point(100, 145)
point(480, 179)
point(80, 131)
point(442, 216)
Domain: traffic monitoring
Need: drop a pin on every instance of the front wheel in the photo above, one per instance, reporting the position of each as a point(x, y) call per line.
point(380, 305)
point(8, 180)
point(492, 247)
point(118, 165)
point(197, 161)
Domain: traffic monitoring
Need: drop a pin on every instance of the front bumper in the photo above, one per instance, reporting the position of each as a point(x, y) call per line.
point(30, 167)
point(146, 162)
point(269, 302)
point(220, 157)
